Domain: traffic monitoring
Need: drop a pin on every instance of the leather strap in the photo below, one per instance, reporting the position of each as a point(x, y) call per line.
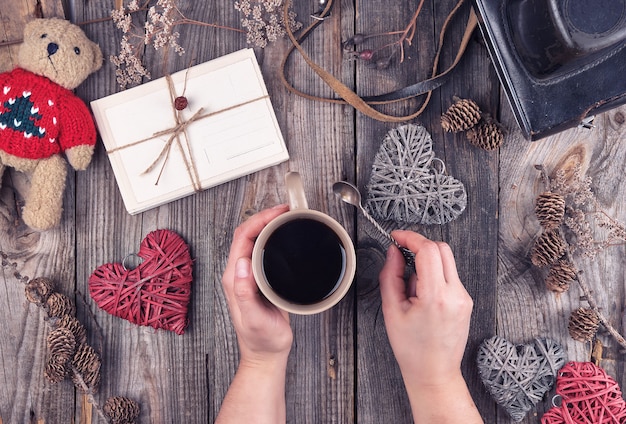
point(364, 105)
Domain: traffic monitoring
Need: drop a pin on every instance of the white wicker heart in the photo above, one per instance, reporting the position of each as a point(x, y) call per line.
point(408, 183)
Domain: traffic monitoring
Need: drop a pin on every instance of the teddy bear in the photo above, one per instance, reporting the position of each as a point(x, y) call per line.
point(41, 118)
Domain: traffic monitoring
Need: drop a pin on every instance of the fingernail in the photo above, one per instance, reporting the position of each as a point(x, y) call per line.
point(242, 268)
point(391, 252)
point(281, 206)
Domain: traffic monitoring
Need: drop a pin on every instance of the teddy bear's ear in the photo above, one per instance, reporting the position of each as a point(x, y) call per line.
point(97, 57)
point(33, 27)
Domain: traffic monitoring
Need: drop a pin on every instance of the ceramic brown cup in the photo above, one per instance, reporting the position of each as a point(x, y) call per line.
point(303, 261)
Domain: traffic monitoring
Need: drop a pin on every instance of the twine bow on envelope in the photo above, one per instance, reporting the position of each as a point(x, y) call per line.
point(175, 132)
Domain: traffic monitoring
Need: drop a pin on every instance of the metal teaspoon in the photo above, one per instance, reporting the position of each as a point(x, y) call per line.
point(350, 194)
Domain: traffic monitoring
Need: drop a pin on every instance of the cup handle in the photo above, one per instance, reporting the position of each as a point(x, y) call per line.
point(295, 191)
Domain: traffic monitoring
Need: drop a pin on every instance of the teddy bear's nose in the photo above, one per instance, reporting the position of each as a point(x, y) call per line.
point(52, 48)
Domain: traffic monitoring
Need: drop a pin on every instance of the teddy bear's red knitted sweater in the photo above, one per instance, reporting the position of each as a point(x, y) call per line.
point(39, 118)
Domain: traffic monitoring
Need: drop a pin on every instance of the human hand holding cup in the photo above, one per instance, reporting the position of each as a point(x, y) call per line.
point(304, 260)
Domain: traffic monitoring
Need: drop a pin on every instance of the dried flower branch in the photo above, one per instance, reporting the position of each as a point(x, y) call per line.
point(584, 214)
point(158, 30)
point(381, 56)
point(578, 195)
point(264, 22)
point(68, 354)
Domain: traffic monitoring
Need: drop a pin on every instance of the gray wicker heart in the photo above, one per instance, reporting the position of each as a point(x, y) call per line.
point(408, 183)
point(518, 377)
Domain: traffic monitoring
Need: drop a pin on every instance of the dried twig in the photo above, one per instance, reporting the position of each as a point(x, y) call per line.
point(12, 267)
point(77, 377)
point(88, 392)
point(374, 56)
point(579, 192)
point(10, 42)
point(603, 319)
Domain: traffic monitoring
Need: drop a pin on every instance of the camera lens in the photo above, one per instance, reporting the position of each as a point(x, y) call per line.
point(600, 17)
point(557, 36)
point(586, 26)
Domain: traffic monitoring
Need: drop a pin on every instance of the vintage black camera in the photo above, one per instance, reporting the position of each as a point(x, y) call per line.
point(559, 61)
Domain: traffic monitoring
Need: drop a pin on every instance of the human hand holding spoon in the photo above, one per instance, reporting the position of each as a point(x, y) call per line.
point(350, 194)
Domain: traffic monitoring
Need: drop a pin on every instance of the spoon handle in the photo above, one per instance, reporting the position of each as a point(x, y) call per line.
point(409, 257)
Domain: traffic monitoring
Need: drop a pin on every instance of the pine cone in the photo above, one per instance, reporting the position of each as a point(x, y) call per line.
point(549, 247)
point(461, 116)
point(550, 209)
point(561, 274)
point(59, 304)
point(38, 290)
point(61, 345)
point(121, 410)
point(55, 372)
point(74, 325)
point(487, 135)
point(583, 324)
point(87, 362)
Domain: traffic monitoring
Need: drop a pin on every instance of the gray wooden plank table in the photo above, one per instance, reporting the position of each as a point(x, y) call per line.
point(341, 368)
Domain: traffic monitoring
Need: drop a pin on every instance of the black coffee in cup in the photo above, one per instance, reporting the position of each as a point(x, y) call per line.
point(304, 261)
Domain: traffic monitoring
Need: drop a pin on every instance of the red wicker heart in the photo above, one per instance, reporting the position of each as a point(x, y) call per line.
point(156, 293)
point(588, 395)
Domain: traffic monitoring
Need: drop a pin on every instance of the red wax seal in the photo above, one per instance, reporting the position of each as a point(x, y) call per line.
point(180, 102)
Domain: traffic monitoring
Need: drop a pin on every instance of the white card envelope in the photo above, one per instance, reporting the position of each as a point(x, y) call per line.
point(230, 130)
